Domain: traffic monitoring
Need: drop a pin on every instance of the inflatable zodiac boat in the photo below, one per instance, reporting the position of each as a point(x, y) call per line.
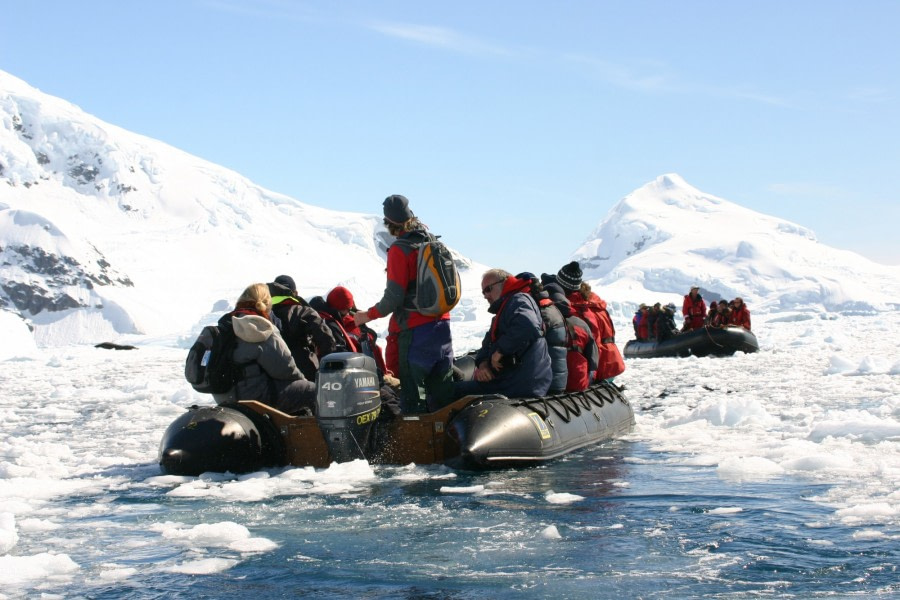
point(473, 433)
point(708, 341)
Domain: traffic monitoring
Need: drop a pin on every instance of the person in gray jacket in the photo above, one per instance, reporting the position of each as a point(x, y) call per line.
point(267, 371)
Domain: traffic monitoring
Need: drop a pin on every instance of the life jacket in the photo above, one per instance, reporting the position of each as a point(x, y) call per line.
point(694, 311)
point(582, 357)
point(344, 342)
point(593, 311)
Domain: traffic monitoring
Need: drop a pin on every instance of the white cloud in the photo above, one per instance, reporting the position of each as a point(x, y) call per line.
point(440, 37)
point(655, 78)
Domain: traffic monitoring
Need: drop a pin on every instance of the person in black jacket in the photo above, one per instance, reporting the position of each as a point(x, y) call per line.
point(304, 331)
point(665, 324)
point(554, 332)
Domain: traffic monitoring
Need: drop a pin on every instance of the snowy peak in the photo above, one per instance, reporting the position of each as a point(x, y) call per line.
point(668, 235)
point(104, 232)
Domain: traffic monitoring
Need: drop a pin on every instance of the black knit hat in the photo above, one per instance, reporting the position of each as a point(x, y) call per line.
point(287, 281)
point(570, 276)
point(396, 209)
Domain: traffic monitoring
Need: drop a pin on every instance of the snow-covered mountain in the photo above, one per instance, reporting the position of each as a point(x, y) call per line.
point(105, 234)
point(667, 235)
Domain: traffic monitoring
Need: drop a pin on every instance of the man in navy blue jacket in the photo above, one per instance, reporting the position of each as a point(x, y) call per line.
point(513, 359)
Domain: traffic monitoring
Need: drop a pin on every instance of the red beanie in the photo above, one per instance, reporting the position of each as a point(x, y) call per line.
point(340, 298)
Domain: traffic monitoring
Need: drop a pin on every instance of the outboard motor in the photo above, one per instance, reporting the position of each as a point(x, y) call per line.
point(349, 402)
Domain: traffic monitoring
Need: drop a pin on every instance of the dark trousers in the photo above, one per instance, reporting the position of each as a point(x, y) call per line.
point(425, 363)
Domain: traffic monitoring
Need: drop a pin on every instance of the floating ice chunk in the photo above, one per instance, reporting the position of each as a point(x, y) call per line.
point(748, 467)
point(821, 462)
point(32, 525)
point(19, 569)
point(824, 543)
point(471, 489)
point(727, 412)
point(871, 365)
point(551, 533)
point(253, 545)
point(562, 497)
point(838, 364)
point(874, 512)
point(204, 566)
point(725, 510)
point(9, 537)
point(856, 425)
point(868, 534)
point(222, 534)
point(117, 574)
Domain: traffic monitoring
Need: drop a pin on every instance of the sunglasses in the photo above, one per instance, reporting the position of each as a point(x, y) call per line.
point(487, 289)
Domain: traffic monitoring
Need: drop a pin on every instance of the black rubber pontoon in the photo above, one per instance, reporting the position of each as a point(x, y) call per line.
point(708, 341)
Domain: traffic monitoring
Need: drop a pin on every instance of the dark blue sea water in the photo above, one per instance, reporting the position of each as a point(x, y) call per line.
point(643, 529)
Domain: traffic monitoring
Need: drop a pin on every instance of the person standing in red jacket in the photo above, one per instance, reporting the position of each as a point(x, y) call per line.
point(419, 347)
point(740, 314)
point(590, 307)
point(693, 309)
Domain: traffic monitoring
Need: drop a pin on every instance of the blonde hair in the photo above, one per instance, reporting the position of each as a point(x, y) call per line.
point(256, 297)
point(398, 229)
point(585, 290)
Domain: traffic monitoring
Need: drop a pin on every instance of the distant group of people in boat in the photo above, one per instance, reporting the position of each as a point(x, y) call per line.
point(657, 323)
point(548, 335)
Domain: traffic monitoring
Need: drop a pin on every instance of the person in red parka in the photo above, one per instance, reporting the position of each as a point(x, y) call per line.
point(337, 309)
point(722, 317)
point(740, 315)
point(693, 309)
point(590, 307)
point(642, 324)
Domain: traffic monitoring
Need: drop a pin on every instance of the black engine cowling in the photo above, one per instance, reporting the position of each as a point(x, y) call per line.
point(349, 403)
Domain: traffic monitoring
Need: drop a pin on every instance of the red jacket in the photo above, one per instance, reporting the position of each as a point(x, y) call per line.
point(694, 311)
point(593, 311)
point(583, 356)
point(401, 280)
point(365, 342)
point(740, 316)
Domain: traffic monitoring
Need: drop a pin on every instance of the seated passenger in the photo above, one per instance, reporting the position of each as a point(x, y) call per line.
point(554, 332)
point(665, 325)
point(337, 310)
point(513, 359)
point(643, 324)
point(653, 314)
point(740, 314)
point(300, 326)
point(592, 308)
point(713, 309)
point(583, 354)
point(268, 372)
point(722, 316)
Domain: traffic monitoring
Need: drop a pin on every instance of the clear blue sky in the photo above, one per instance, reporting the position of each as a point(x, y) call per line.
point(512, 125)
